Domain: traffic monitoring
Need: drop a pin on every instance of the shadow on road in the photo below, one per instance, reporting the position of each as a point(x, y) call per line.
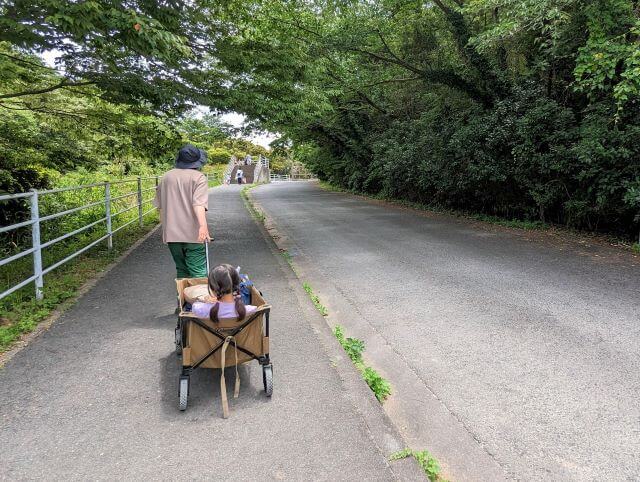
point(204, 389)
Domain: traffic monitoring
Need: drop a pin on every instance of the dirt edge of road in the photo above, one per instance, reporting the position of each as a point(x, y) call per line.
point(382, 429)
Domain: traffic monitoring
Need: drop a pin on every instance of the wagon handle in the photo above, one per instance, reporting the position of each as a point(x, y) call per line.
point(206, 249)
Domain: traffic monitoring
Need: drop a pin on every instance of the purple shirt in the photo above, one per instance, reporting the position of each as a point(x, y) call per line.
point(226, 310)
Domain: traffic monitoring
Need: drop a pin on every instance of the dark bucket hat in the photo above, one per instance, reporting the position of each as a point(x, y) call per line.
point(190, 157)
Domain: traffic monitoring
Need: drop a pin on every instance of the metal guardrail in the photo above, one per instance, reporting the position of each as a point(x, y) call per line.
point(35, 221)
point(288, 177)
point(230, 165)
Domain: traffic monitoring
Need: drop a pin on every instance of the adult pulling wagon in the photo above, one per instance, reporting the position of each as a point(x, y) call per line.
point(182, 198)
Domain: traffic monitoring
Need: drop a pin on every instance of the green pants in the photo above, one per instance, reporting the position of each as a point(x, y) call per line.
point(190, 259)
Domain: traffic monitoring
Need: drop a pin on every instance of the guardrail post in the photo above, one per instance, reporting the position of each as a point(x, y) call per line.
point(35, 240)
point(107, 211)
point(140, 201)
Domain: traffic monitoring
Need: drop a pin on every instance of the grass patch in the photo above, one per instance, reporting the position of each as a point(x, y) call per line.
point(287, 256)
point(354, 348)
point(255, 213)
point(636, 248)
point(314, 298)
point(425, 460)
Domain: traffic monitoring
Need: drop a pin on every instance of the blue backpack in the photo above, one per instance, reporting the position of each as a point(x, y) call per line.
point(245, 289)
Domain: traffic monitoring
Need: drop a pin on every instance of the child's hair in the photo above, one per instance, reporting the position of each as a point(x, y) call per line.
point(224, 280)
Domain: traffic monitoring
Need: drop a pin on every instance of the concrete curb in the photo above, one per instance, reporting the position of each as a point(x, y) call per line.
point(382, 430)
point(45, 324)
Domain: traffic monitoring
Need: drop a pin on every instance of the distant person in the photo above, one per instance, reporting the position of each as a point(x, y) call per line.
point(239, 176)
point(182, 198)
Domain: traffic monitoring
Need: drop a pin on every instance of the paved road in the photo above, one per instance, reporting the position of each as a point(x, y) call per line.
point(532, 347)
point(95, 397)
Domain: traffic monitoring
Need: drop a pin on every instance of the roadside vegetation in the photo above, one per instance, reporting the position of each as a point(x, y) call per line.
point(354, 348)
point(426, 461)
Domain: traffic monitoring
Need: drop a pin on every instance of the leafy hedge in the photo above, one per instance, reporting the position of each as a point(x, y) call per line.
point(528, 157)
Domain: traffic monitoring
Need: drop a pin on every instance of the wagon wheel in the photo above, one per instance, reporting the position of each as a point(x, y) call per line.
point(267, 379)
point(183, 392)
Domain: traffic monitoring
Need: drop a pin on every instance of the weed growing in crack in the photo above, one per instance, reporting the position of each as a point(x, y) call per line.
point(289, 259)
point(354, 348)
point(378, 385)
point(425, 460)
point(287, 256)
point(314, 298)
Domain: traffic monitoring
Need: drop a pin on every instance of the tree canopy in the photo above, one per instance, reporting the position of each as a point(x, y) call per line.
point(524, 109)
point(527, 109)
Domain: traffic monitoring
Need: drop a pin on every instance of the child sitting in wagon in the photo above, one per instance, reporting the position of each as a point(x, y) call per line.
point(223, 300)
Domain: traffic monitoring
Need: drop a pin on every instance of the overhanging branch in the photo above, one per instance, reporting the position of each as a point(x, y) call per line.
point(44, 90)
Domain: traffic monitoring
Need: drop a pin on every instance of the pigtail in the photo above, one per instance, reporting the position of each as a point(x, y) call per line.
point(235, 277)
point(213, 314)
point(240, 308)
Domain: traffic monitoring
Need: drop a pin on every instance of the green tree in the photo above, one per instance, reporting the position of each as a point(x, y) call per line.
point(155, 55)
point(519, 109)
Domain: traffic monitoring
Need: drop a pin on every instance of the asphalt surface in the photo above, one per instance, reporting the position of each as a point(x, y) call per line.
point(95, 397)
point(533, 346)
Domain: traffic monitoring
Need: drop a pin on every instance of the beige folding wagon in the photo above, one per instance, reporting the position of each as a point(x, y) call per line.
point(230, 342)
